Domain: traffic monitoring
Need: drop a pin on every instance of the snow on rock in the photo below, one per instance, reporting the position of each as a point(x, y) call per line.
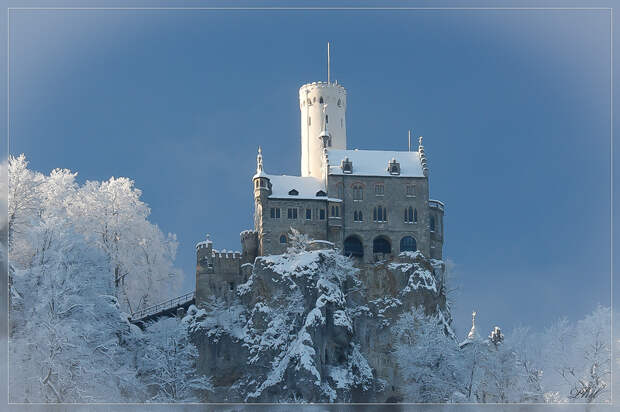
point(293, 331)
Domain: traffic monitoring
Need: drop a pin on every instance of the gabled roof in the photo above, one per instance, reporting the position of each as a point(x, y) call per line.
point(375, 162)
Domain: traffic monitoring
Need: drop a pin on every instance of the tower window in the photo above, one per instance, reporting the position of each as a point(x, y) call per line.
point(379, 189)
point(339, 103)
point(432, 225)
point(292, 213)
point(274, 213)
point(308, 214)
point(322, 214)
point(309, 102)
point(321, 100)
point(326, 119)
point(415, 215)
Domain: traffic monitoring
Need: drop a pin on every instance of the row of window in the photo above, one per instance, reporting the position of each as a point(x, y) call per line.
point(292, 213)
point(379, 214)
point(358, 191)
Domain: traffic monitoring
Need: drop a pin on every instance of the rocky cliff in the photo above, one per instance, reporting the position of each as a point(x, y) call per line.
point(313, 326)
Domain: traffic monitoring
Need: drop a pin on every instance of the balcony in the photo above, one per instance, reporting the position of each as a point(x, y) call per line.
point(436, 204)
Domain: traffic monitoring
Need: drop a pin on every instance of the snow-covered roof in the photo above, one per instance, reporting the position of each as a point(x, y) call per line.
point(375, 162)
point(307, 187)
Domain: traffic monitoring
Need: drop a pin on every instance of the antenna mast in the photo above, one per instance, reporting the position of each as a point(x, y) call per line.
point(328, 74)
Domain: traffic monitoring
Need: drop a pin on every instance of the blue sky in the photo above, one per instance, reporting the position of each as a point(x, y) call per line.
point(514, 107)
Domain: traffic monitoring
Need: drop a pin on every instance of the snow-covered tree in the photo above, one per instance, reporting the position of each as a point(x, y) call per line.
point(428, 358)
point(578, 357)
point(70, 342)
point(169, 364)
point(112, 217)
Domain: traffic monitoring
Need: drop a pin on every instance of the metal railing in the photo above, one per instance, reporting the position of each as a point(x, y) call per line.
point(171, 303)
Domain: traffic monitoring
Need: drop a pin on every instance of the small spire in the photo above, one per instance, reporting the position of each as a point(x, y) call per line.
point(259, 160)
point(472, 333)
point(420, 141)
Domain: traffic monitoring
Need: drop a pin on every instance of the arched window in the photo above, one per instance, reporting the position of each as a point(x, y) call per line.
point(309, 102)
point(415, 215)
point(326, 119)
point(355, 216)
point(353, 246)
point(339, 103)
point(379, 214)
point(432, 223)
point(282, 239)
point(321, 100)
point(359, 216)
point(381, 245)
point(374, 214)
point(408, 243)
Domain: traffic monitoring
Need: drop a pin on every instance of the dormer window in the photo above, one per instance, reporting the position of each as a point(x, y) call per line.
point(293, 192)
point(394, 167)
point(346, 165)
point(321, 193)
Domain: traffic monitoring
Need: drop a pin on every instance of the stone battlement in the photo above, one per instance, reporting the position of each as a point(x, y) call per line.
point(223, 254)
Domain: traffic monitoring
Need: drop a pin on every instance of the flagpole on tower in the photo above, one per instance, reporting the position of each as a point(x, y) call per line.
point(328, 74)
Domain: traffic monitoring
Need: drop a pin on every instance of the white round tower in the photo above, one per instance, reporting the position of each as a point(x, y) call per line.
point(321, 103)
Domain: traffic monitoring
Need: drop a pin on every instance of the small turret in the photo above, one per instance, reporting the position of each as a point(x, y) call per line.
point(422, 157)
point(261, 181)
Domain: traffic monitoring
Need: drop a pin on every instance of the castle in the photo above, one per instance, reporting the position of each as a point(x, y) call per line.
point(369, 204)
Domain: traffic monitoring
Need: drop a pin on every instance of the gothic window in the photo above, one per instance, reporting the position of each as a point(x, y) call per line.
point(355, 216)
point(415, 215)
point(358, 192)
point(339, 103)
point(379, 214)
point(321, 100)
point(432, 223)
point(282, 239)
point(335, 211)
point(379, 189)
point(308, 214)
point(408, 243)
point(263, 183)
point(410, 190)
point(409, 215)
point(293, 192)
point(321, 214)
point(274, 213)
point(256, 184)
point(292, 213)
point(326, 119)
point(359, 216)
